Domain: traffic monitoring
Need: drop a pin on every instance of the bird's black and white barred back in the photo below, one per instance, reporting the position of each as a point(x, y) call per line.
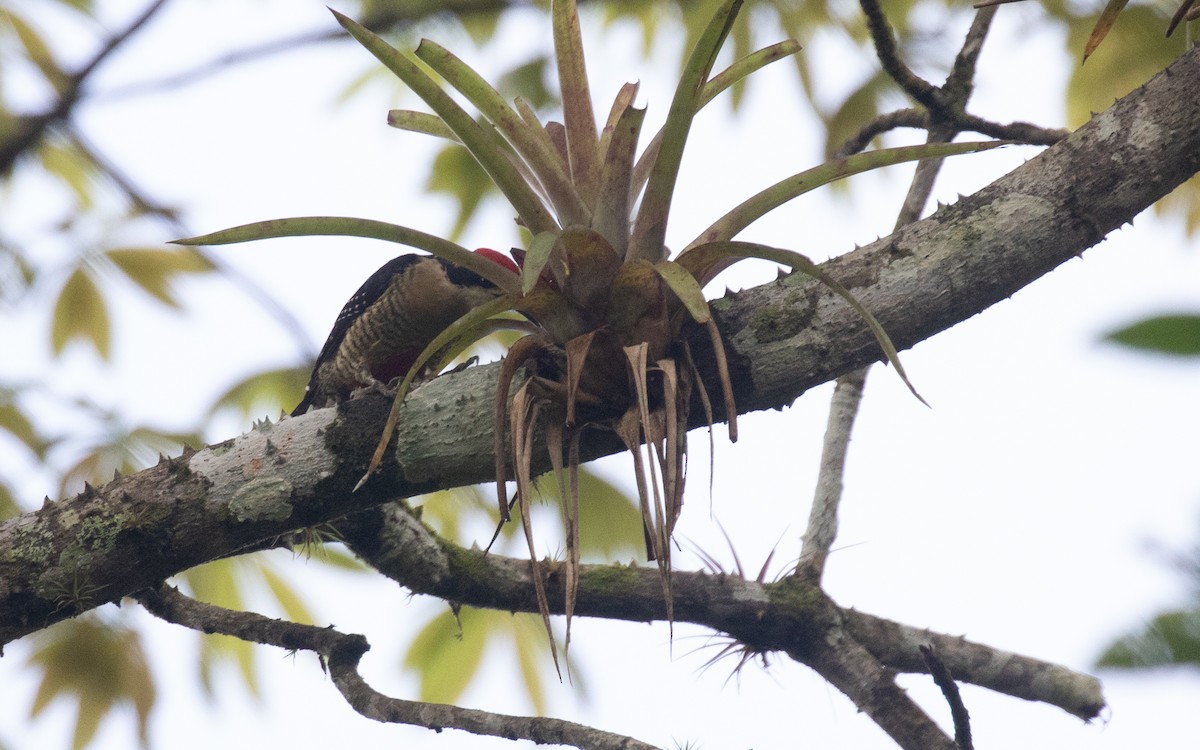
point(389, 321)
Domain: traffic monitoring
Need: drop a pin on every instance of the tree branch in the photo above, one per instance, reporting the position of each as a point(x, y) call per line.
point(792, 615)
point(29, 130)
point(341, 653)
point(783, 338)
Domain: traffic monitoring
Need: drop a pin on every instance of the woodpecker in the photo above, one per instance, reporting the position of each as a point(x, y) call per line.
point(392, 317)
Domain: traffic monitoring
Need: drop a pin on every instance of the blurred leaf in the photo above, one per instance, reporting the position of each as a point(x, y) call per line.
point(8, 503)
point(16, 274)
point(154, 269)
point(126, 452)
point(444, 511)
point(1134, 51)
point(529, 639)
point(36, 49)
point(263, 392)
point(293, 606)
point(456, 173)
point(100, 666)
point(15, 422)
point(219, 582)
point(1166, 334)
point(480, 26)
point(858, 109)
point(447, 652)
point(1183, 200)
point(75, 168)
point(528, 81)
point(1170, 638)
point(80, 312)
point(610, 523)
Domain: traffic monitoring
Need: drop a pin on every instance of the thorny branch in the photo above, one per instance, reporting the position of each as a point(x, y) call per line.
point(870, 680)
point(340, 653)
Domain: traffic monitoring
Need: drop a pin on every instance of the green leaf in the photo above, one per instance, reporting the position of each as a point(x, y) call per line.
point(220, 582)
point(861, 106)
point(125, 451)
point(1165, 334)
point(578, 116)
point(1134, 51)
point(8, 504)
point(528, 82)
point(154, 269)
point(484, 144)
point(686, 288)
point(529, 140)
point(1170, 638)
point(36, 49)
point(99, 666)
point(456, 173)
point(618, 145)
point(14, 421)
point(75, 168)
point(704, 256)
point(789, 188)
point(536, 258)
point(289, 599)
point(310, 226)
point(744, 66)
point(610, 523)
point(650, 227)
point(447, 653)
point(421, 122)
point(263, 392)
point(80, 313)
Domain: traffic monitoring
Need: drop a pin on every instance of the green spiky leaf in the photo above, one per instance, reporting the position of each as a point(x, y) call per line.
point(485, 144)
point(707, 255)
point(341, 226)
point(789, 188)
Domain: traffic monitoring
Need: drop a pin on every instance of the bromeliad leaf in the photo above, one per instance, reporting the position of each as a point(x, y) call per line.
point(708, 253)
point(485, 144)
point(765, 201)
point(341, 226)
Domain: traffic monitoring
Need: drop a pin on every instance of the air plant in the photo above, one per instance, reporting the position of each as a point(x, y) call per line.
point(610, 311)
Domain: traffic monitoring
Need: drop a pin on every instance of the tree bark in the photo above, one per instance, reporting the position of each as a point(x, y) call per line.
point(784, 337)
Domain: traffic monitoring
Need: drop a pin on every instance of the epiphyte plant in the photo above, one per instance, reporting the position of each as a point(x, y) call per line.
point(610, 311)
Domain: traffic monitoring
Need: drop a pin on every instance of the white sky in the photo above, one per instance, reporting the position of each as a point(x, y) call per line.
point(1018, 511)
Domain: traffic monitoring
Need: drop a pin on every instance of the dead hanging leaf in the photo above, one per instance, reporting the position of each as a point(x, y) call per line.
point(518, 354)
point(523, 420)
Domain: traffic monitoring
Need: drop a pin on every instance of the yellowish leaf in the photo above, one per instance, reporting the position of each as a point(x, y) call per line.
point(80, 312)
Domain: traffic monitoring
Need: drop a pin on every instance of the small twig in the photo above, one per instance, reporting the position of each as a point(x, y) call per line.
point(341, 652)
point(900, 118)
point(961, 81)
point(958, 711)
point(30, 129)
point(822, 519)
point(889, 56)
